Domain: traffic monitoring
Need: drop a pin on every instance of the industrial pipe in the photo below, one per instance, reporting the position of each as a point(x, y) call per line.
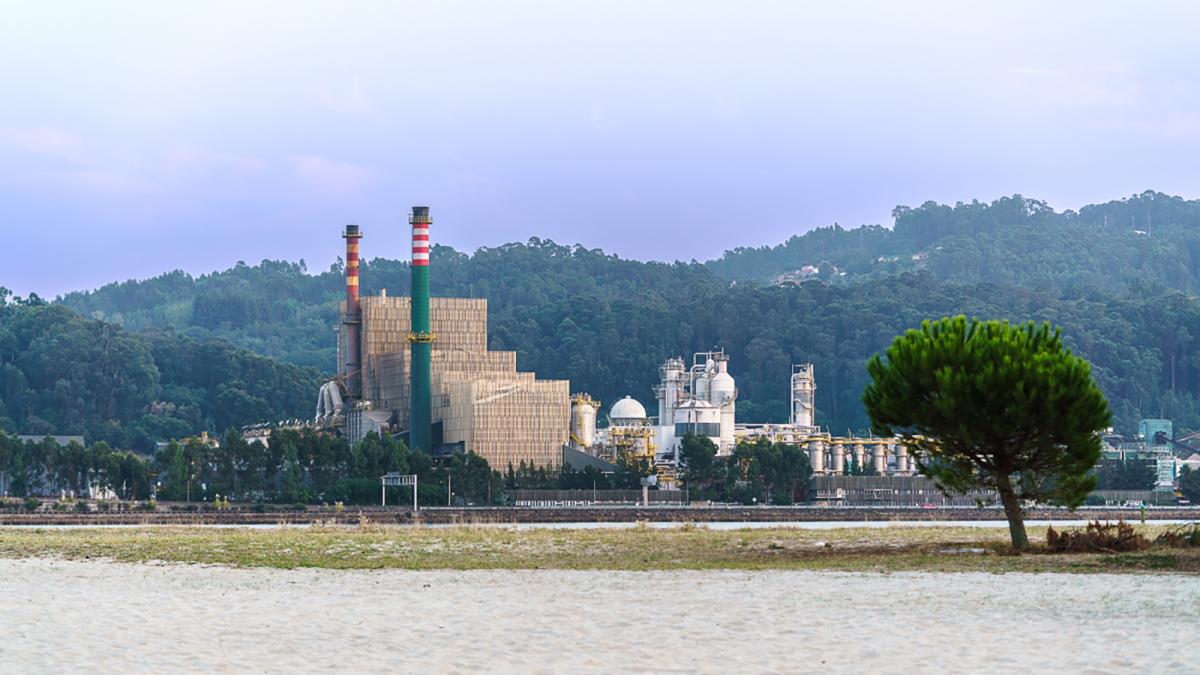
point(352, 367)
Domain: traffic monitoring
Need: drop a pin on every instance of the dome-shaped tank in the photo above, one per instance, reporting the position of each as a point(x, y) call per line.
point(627, 412)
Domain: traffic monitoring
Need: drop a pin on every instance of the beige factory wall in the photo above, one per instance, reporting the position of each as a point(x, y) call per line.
point(386, 380)
point(458, 324)
point(509, 420)
point(479, 396)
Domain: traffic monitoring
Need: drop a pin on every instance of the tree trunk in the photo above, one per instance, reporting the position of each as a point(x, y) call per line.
point(1012, 511)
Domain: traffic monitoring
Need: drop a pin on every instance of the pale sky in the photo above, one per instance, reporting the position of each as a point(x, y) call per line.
point(140, 137)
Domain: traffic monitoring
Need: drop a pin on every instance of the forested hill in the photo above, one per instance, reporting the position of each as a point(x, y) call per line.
point(1149, 238)
point(280, 310)
point(606, 323)
point(63, 374)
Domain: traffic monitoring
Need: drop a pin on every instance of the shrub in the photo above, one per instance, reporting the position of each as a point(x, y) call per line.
point(82, 507)
point(32, 503)
point(1097, 537)
point(1180, 537)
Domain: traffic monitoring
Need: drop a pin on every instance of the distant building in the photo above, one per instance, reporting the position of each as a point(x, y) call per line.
point(1154, 443)
point(1149, 430)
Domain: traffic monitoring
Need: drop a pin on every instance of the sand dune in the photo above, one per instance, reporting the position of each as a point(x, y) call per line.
point(100, 616)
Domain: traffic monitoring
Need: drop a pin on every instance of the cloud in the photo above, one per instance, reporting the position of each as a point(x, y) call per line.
point(189, 160)
point(50, 141)
point(72, 163)
point(107, 181)
point(329, 176)
point(352, 100)
point(1087, 87)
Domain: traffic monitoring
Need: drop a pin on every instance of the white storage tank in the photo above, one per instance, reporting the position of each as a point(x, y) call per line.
point(583, 420)
point(699, 417)
point(722, 392)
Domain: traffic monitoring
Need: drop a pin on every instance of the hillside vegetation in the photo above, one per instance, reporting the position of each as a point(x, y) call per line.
point(1149, 238)
point(61, 373)
point(1122, 297)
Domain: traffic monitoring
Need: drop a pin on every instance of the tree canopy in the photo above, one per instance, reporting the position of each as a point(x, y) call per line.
point(61, 373)
point(986, 404)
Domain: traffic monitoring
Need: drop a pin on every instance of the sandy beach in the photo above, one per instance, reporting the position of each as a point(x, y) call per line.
point(102, 616)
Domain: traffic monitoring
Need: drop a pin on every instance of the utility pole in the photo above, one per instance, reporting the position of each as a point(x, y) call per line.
point(448, 479)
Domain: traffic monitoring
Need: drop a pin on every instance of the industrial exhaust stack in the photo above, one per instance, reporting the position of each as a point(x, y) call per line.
point(420, 339)
point(352, 367)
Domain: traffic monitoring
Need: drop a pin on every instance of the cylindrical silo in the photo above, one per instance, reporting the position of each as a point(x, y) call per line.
point(838, 456)
point(816, 456)
point(722, 392)
point(583, 420)
point(881, 458)
point(860, 456)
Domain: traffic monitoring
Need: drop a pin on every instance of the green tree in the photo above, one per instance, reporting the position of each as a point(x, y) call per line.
point(989, 405)
point(1127, 474)
point(1189, 484)
point(697, 456)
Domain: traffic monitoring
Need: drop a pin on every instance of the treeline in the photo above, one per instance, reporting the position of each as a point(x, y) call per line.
point(1126, 474)
point(761, 472)
point(45, 468)
point(306, 467)
point(294, 467)
point(63, 374)
point(1147, 238)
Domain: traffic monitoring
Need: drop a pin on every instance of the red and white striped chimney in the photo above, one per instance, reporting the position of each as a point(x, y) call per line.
point(420, 236)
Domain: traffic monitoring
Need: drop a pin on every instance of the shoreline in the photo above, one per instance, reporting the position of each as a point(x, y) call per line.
point(606, 514)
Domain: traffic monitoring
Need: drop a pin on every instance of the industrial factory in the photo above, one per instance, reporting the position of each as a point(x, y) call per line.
point(420, 367)
point(700, 399)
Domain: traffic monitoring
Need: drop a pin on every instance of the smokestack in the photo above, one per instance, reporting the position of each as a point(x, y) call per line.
point(421, 339)
point(352, 368)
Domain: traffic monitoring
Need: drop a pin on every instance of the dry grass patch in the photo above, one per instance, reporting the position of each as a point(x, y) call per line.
point(370, 546)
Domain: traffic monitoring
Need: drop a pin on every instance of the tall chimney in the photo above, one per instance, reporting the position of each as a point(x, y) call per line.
point(421, 339)
point(352, 368)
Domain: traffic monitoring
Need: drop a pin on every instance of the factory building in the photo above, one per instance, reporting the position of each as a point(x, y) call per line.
point(420, 366)
point(701, 399)
point(827, 454)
